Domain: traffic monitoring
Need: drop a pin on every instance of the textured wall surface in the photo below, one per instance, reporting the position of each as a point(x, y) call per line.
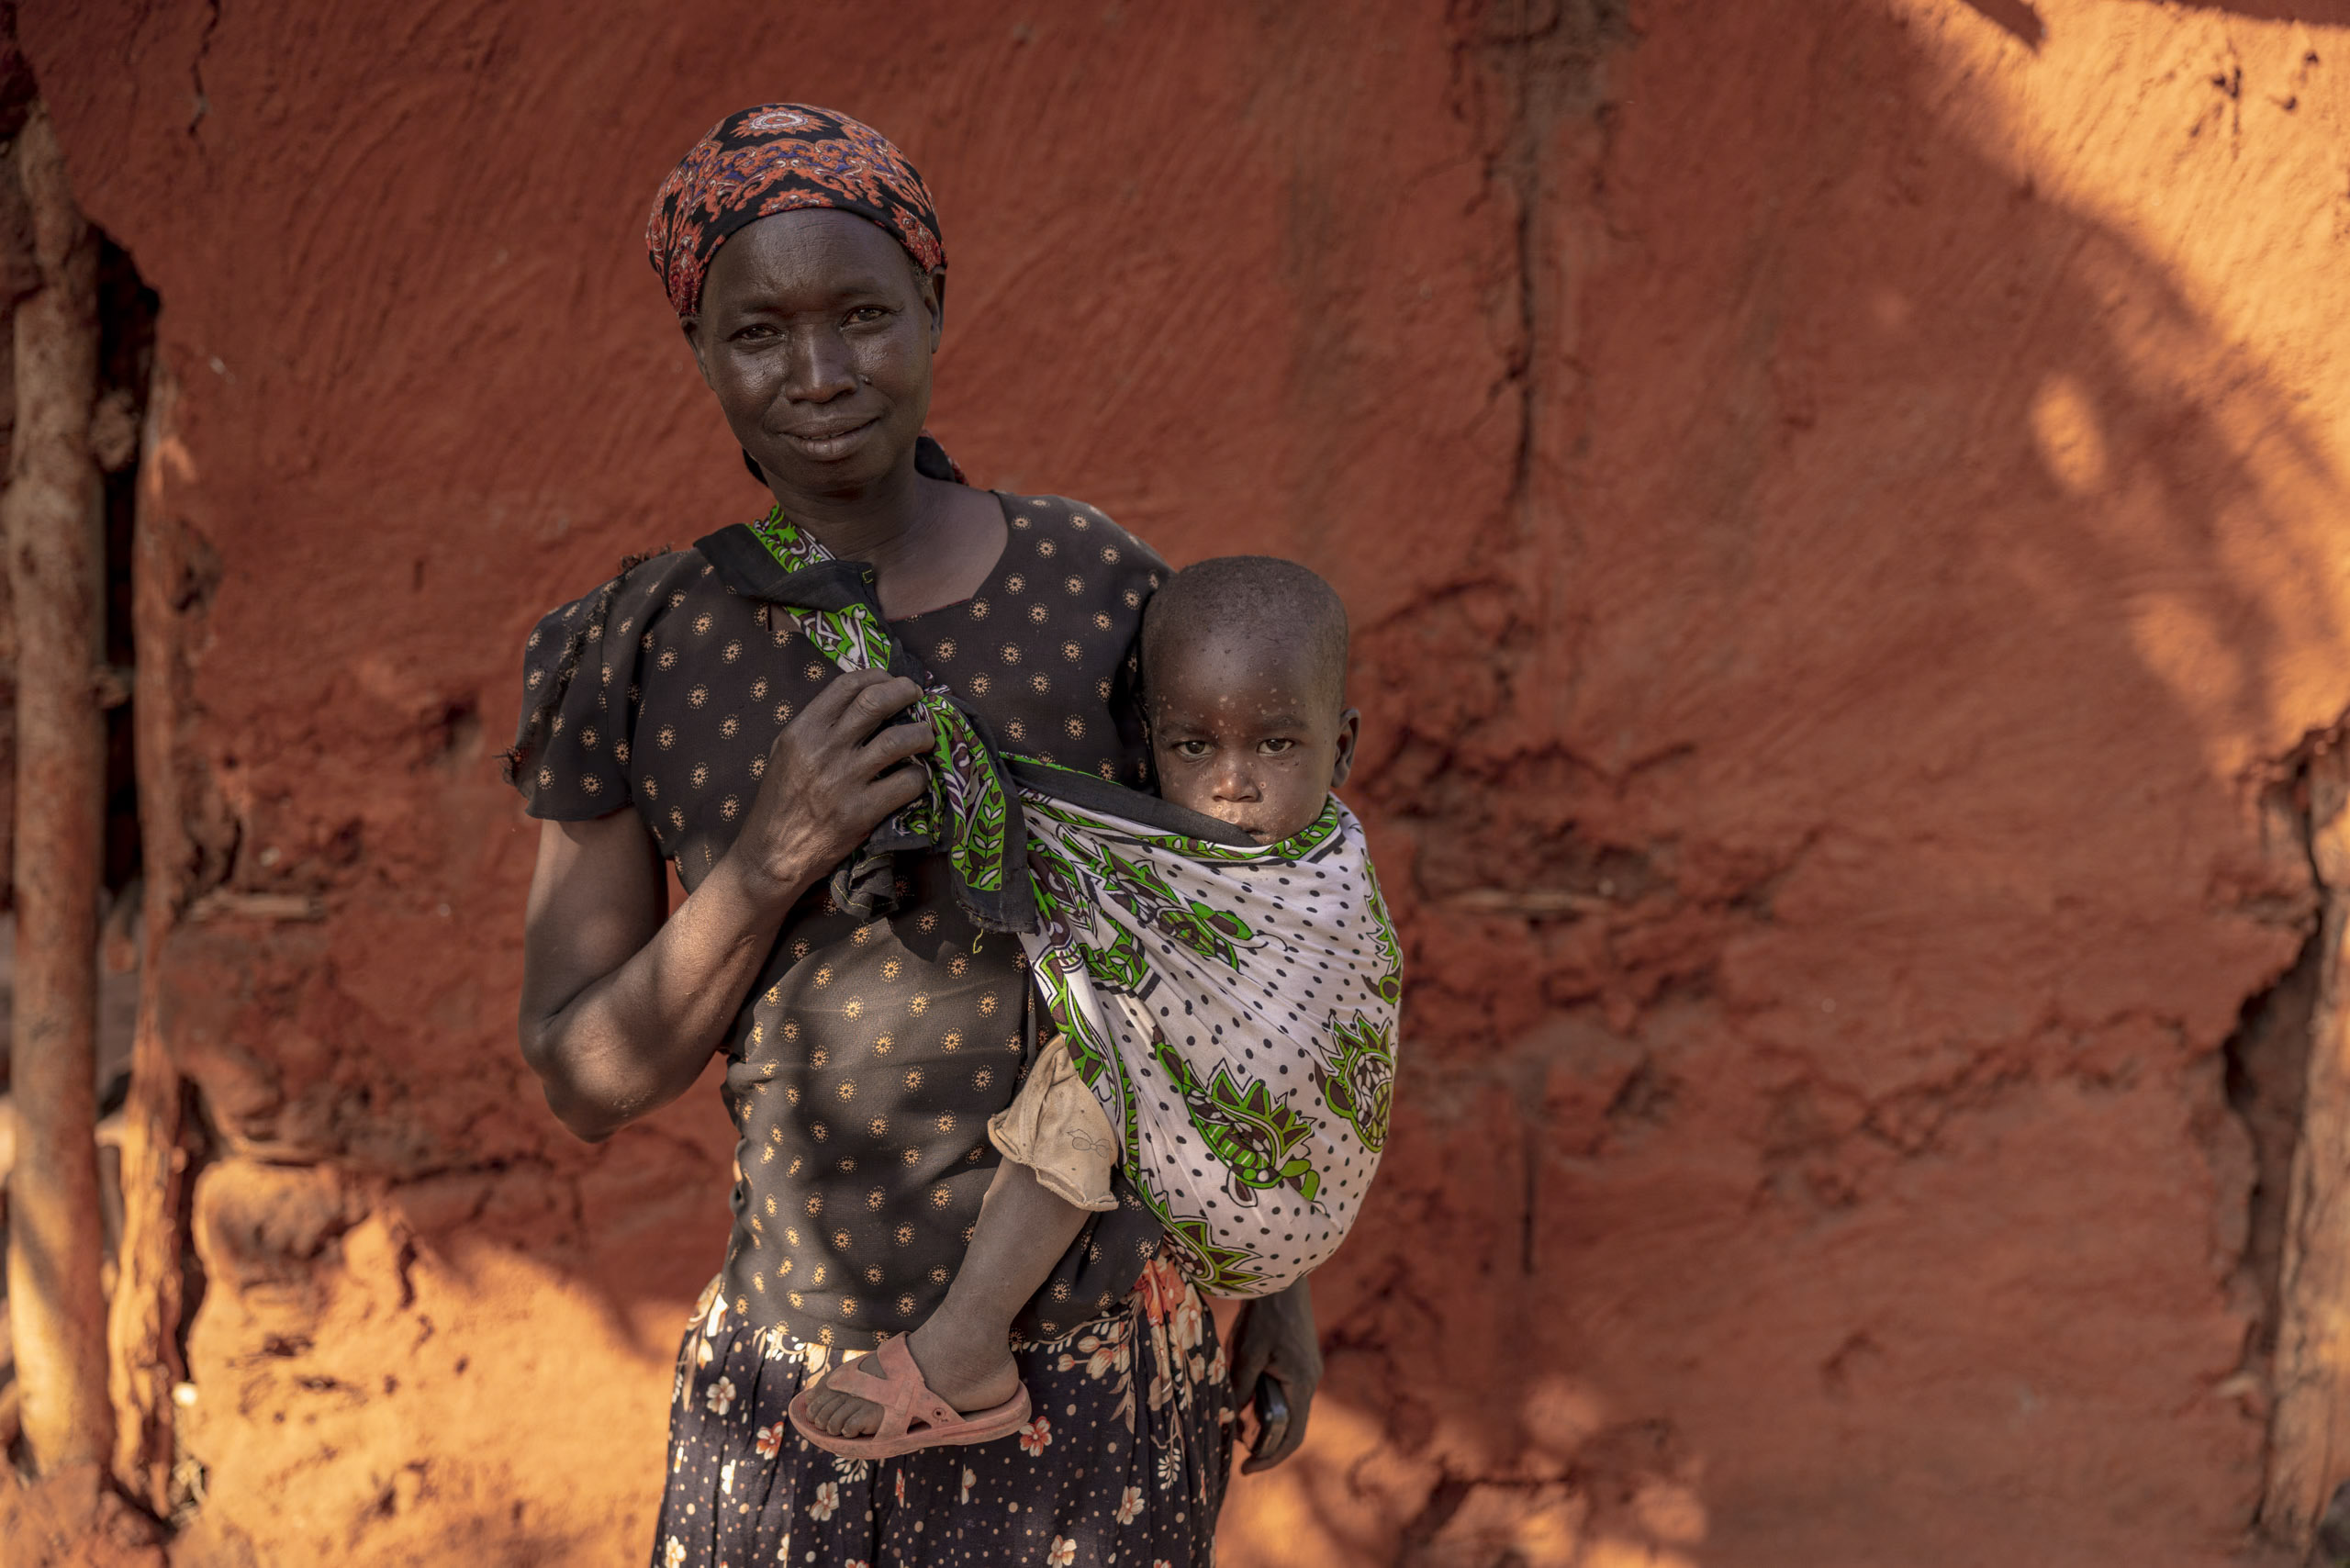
point(1843, 503)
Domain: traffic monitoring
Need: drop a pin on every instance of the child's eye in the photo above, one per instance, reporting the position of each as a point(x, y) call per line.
point(1191, 749)
point(1276, 745)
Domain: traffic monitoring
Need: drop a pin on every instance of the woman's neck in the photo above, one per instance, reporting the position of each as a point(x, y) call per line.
point(929, 543)
point(882, 524)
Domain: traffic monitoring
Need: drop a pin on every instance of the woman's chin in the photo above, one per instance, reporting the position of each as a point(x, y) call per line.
point(862, 460)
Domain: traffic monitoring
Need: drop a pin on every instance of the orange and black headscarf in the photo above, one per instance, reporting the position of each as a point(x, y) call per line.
point(781, 157)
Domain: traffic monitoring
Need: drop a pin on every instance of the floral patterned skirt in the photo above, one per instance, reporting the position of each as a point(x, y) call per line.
point(1124, 1462)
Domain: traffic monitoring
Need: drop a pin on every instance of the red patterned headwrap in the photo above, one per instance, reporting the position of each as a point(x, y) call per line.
point(781, 157)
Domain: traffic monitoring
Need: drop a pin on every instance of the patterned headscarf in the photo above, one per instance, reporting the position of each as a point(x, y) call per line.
point(781, 157)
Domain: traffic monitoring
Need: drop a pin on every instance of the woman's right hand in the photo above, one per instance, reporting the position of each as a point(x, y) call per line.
point(832, 779)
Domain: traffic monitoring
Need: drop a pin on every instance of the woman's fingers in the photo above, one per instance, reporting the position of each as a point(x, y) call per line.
point(1249, 1354)
point(1272, 1445)
point(855, 686)
point(897, 787)
point(895, 745)
point(1283, 1431)
point(874, 699)
point(838, 729)
point(1274, 1347)
point(838, 768)
point(877, 767)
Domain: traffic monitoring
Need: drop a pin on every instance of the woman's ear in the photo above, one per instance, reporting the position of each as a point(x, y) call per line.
point(1349, 729)
point(691, 327)
point(933, 297)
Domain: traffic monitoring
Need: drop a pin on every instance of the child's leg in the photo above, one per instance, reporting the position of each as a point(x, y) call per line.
point(965, 1349)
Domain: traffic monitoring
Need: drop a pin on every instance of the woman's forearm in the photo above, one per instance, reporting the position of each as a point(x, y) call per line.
point(621, 1007)
point(635, 1039)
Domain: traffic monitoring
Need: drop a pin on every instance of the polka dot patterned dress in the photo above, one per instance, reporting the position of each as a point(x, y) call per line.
point(868, 1054)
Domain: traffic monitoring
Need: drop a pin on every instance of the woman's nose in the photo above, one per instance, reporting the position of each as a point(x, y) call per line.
point(820, 367)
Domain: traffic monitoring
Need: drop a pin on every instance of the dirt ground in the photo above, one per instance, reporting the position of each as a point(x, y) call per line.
point(1842, 503)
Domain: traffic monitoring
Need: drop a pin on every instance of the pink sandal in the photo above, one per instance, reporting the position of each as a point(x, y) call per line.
point(912, 1416)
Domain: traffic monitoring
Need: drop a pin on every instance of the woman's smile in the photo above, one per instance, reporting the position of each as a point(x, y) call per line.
point(832, 440)
point(817, 334)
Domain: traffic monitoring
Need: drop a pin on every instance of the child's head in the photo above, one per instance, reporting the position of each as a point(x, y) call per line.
point(1244, 674)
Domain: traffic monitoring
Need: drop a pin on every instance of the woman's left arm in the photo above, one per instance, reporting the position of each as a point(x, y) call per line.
point(1274, 1338)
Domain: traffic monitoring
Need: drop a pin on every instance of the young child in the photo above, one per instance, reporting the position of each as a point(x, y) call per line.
point(1244, 671)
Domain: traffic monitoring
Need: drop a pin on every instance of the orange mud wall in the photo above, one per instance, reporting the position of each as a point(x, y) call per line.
point(1842, 505)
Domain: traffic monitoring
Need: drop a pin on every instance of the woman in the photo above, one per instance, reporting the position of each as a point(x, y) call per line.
point(870, 1024)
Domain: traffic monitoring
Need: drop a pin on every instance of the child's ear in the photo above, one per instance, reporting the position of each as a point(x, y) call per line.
point(1349, 727)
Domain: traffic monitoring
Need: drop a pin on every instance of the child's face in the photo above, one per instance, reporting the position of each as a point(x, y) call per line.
point(1245, 734)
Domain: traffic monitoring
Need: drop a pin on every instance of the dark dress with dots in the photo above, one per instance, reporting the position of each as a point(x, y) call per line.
point(863, 1068)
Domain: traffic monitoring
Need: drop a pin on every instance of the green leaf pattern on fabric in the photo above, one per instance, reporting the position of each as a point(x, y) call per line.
point(1233, 1008)
point(1357, 1077)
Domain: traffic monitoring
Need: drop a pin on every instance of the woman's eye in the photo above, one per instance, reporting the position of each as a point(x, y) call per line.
point(867, 313)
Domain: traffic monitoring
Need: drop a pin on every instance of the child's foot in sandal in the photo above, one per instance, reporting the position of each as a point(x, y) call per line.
point(969, 1372)
point(912, 1416)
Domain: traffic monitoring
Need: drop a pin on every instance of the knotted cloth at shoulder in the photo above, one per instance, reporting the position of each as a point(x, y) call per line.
point(967, 808)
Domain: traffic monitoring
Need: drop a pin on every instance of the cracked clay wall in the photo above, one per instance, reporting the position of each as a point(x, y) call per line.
point(1842, 503)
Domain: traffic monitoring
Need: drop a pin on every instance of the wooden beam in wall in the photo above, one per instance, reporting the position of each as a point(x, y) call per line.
point(144, 1330)
point(54, 513)
point(2310, 1426)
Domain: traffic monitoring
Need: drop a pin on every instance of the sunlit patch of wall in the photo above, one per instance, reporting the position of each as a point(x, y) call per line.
point(2209, 144)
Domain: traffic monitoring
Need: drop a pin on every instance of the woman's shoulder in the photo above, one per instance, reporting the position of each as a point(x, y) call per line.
point(644, 588)
point(1078, 547)
point(580, 671)
point(1079, 526)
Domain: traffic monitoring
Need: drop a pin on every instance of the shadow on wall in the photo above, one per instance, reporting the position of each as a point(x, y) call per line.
point(2024, 20)
point(1833, 873)
point(2017, 16)
point(2318, 13)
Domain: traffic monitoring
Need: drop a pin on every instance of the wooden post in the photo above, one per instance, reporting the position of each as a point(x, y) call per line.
point(54, 515)
point(144, 1330)
point(2310, 1428)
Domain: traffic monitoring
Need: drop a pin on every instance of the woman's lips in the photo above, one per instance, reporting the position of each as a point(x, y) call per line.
point(833, 445)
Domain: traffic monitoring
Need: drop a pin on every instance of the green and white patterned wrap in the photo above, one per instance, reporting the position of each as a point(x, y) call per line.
point(1232, 1006)
point(1234, 1010)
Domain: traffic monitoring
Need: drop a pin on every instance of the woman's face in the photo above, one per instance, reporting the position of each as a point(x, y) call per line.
point(817, 335)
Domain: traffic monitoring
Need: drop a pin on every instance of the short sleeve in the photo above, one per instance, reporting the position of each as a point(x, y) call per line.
point(569, 760)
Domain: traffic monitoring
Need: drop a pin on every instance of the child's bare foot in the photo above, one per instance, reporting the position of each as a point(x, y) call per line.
point(969, 1367)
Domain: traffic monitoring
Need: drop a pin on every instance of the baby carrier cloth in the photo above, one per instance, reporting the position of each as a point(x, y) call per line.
point(1232, 1007)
